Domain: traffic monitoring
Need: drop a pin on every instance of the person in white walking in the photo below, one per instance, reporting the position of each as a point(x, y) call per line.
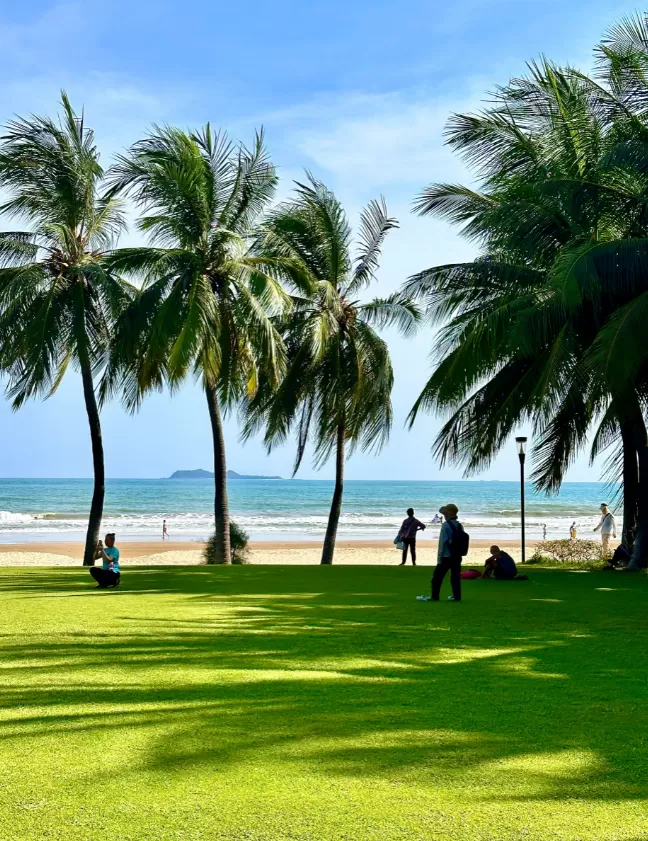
point(607, 526)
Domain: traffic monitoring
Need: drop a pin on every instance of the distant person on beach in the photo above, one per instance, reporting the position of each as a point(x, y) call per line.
point(165, 533)
point(572, 531)
point(436, 520)
point(108, 574)
point(448, 560)
point(544, 531)
point(500, 565)
point(407, 534)
point(607, 526)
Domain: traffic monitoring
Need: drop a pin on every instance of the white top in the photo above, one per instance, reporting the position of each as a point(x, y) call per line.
point(607, 524)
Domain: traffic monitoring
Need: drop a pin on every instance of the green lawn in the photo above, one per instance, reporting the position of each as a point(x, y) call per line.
point(270, 703)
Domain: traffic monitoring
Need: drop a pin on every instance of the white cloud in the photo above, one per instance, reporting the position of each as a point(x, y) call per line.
point(41, 40)
point(367, 142)
point(388, 141)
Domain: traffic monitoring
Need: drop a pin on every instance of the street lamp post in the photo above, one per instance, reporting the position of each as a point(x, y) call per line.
point(521, 448)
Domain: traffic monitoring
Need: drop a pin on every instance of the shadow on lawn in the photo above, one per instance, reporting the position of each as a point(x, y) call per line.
point(362, 683)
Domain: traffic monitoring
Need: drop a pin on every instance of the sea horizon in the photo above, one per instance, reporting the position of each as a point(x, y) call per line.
point(280, 479)
point(277, 510)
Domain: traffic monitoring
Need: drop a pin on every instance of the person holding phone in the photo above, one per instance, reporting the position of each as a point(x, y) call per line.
point(109, 573)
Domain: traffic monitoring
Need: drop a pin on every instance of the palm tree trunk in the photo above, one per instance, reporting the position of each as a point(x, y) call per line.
point(223, 551)
point(99, 490)
point(640, 548)
point(328, 549)
point(630, 485)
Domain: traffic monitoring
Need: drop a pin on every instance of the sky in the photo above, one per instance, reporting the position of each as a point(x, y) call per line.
point(357, 92)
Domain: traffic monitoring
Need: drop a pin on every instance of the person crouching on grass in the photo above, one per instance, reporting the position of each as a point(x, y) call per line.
point(500, 565)
point(108, 574)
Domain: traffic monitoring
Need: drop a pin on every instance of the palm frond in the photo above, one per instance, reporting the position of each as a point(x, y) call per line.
point(375, 224)
point(396, 310)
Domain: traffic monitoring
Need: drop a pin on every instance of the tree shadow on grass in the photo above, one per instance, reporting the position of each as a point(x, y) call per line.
point(341, 671)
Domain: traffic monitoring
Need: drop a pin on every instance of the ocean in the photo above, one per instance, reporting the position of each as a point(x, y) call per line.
point(43, 510)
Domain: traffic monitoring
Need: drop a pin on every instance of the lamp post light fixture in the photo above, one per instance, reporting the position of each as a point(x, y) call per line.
point(521, 448)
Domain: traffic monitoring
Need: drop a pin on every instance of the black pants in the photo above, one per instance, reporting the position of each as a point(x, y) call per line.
point(454, 566)
point(104, 577)
point(411, 542)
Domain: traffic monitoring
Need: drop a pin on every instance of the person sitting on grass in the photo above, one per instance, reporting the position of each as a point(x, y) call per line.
point(108, 574)
point(500, 565)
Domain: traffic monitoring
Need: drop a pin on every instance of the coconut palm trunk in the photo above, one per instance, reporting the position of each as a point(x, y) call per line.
point(223, 554)
point(640, 548)
point(99, 489)
point(94, 422)
point(630, 485)
point(328, 550)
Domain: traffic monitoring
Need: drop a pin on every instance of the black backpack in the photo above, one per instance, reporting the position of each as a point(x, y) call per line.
point(460, 542)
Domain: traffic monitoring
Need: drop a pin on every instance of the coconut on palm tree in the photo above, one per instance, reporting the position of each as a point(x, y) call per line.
point(336, 392)
point(206, 302)
point(58, 297)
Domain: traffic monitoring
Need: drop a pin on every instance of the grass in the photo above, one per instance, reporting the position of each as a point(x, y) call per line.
point(321, 703)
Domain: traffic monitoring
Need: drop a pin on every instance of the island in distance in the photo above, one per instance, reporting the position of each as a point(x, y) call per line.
point(206, 474)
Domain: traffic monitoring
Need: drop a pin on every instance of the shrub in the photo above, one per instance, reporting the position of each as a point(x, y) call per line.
point(568, 551)
point(239, 542)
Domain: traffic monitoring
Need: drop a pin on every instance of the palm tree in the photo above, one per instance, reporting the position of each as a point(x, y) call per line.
point(336, 392)
point(623, 65)
point(58, 298)
point(206, 301)
point(563, 224)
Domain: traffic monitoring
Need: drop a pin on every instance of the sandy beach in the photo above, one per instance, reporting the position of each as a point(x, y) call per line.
point(154, 553)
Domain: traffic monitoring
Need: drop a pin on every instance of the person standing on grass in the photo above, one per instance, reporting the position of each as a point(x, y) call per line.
point(109, 573)
point(607, 525)
point(407, 534)
point(448, 559)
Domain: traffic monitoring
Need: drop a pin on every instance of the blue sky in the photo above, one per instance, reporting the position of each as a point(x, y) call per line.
point(358, 92)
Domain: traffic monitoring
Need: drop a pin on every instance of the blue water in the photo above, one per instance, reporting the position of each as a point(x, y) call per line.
point(56, 509)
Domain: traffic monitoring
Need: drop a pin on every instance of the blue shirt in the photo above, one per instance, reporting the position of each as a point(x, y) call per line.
point(506, 563)
point(113, 554)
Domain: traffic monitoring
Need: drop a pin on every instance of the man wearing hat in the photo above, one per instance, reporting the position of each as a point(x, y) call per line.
point(447, 559)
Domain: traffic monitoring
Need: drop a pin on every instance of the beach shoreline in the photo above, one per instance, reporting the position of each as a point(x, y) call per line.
point(177, 552)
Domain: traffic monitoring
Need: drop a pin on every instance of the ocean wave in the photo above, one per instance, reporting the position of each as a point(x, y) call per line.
point(11, 518)
point(191, 519)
